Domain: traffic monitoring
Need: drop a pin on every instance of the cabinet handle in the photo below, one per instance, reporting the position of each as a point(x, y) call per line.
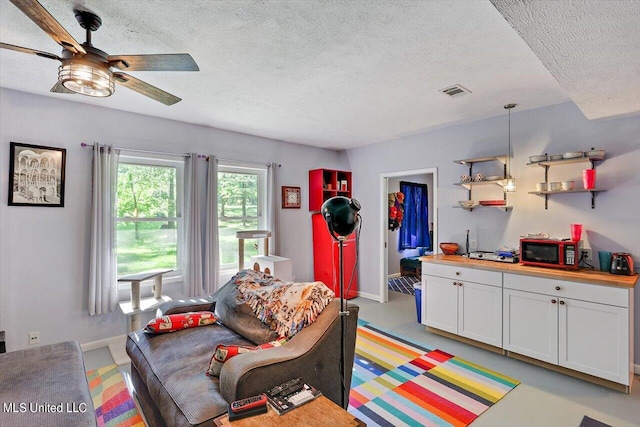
point(457, 273)
point(561, 302)
point(557, 288)
point(553, 301)
point(455, 283)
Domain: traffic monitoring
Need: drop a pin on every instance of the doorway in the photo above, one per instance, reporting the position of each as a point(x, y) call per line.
point(424, 175)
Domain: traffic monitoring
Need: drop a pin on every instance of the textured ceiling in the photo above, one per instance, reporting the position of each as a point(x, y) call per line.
point(591, 47)
point(335, 74)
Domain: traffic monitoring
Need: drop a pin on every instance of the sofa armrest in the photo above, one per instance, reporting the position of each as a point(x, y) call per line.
point(185, 306)
point(312, 354)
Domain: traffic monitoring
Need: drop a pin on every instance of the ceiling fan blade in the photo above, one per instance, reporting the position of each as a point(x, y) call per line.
point(159, 62)
point(38, 14)
point(59, 88)
point(31, 51)
point(145, 89)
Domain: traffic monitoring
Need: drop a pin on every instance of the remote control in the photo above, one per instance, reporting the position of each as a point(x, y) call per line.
point(248, 403)
point(279, 389)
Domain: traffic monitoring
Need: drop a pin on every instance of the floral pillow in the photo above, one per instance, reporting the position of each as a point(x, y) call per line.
point(226, 352)
point(176, 322)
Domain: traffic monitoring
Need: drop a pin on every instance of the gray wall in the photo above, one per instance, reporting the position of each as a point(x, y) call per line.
point(44, 251)
point(613, 225)
point(393, 185)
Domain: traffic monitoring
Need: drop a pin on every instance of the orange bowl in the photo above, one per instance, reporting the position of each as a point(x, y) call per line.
point(449, 248)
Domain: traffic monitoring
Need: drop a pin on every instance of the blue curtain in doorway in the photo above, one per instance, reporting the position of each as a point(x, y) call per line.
point(414, 230)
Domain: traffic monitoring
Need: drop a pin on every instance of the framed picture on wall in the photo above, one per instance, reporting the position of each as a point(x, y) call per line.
point(36, 175)
point(291, 197)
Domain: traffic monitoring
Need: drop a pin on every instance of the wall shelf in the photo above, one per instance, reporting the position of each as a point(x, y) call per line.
point(327, 183)
point(504, 208)
point(546, 164)
point(502, 158)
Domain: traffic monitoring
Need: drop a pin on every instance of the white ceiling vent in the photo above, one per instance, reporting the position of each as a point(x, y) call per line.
point(455, 90)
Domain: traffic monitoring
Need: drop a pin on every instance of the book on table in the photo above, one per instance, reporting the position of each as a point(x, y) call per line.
point(290, 395)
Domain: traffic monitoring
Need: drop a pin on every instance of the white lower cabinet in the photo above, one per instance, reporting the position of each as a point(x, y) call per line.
point(594, 339)
point(456, 304)
point(531, 325)
point(575, 333)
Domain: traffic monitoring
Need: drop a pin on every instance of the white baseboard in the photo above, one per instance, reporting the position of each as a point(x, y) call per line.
point(636, 369)
point(373, 297)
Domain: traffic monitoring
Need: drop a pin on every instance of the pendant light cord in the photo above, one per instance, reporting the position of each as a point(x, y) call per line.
point(508, 107)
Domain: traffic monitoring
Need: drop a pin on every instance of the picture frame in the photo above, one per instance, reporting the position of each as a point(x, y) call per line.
point(291, 197)
point(36, 175)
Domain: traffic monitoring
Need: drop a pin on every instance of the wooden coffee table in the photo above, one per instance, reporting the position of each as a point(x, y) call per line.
point(320, 412)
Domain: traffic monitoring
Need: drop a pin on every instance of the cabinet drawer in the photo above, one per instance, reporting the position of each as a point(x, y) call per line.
point(492, 278)
point(580, 291)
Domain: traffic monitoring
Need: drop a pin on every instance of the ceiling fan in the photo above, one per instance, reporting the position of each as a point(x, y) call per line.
point(90, 71)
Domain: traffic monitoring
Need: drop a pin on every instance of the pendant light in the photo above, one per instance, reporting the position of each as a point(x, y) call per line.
point(510, 183)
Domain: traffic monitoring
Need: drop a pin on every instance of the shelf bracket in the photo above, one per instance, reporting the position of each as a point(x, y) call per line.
point(593, 199)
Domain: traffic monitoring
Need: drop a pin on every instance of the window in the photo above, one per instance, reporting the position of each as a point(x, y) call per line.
point(149, 214)
point(242, 201)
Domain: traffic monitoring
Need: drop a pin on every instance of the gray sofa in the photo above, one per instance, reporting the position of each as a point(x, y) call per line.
point(45, 386)
point(168, 370)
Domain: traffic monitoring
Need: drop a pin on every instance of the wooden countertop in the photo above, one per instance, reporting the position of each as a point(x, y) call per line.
point(584, 275)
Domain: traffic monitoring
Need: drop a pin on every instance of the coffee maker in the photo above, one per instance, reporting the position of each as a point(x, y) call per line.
point(622, 263)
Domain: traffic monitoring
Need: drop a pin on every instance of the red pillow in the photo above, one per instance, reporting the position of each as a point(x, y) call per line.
point(226, 352)
point(176, 322)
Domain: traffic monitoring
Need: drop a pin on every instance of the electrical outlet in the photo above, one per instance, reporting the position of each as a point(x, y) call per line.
point(34, 337)
point(586, 254)
point(473, 245)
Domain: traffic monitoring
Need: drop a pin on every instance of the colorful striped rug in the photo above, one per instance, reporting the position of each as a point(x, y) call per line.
point(112, 401)
point(398, 383)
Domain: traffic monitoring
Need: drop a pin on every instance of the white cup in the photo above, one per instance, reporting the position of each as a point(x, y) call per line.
point(541, 186)
point(568, 185)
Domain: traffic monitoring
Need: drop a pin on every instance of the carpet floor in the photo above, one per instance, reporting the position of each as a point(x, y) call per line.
point(399, 383)
point(403, 284)
point(112, 401)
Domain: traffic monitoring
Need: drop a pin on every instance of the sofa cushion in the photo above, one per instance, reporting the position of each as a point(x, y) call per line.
point(235, 314)
point(176, 322)
point(173, 368)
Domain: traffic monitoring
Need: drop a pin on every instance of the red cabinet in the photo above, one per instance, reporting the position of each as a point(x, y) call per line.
point(325, 184)
point(326, 265)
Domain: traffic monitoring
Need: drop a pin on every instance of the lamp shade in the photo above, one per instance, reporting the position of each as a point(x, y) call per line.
point(341, 215)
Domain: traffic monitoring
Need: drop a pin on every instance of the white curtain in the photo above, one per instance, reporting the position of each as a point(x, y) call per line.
point(103, 292)
point(211, 245)
point(193, 229)
point(272, 206)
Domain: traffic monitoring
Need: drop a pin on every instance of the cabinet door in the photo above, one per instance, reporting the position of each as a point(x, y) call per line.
point(531, 325)
point(442, 304)
point(480, 313)
point(594, 339)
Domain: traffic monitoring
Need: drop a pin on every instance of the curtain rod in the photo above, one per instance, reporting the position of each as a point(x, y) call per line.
point(204, 156)
point(133, 150)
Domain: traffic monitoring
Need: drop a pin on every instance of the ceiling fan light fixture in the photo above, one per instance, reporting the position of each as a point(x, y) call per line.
point(86, 79)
